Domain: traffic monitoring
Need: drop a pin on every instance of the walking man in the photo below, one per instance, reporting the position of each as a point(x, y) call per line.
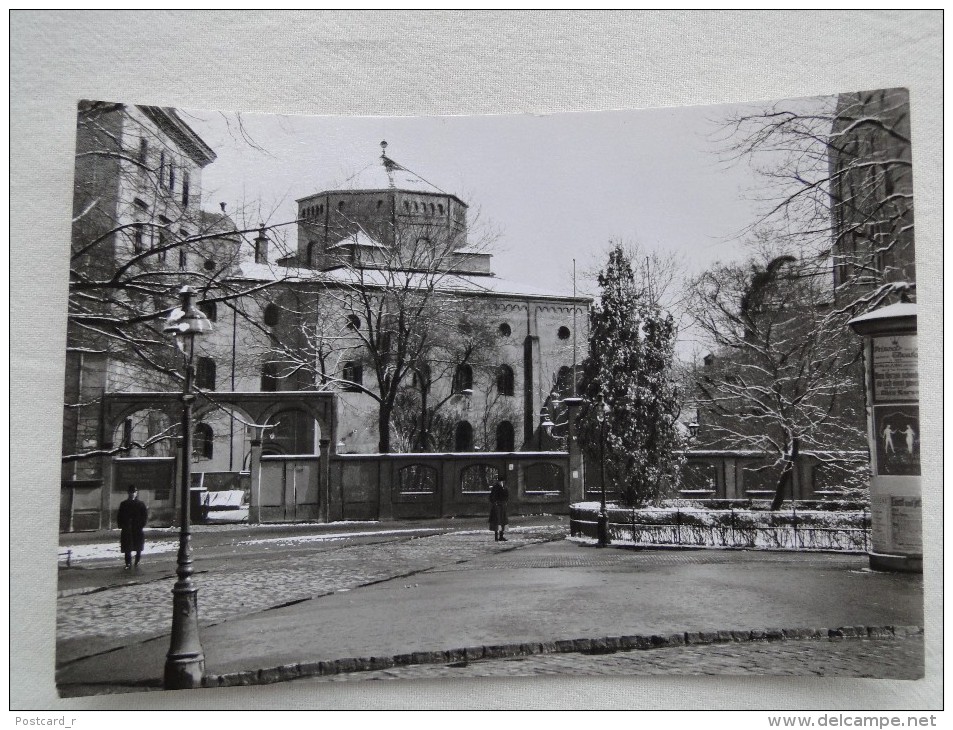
point(132, 518)
point(499, 496)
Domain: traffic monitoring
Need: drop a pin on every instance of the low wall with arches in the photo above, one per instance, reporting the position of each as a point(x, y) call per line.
point(411, 486)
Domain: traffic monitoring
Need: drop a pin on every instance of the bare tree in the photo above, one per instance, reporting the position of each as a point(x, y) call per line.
point(835, 177)
point(138, 235)
point(395, 308)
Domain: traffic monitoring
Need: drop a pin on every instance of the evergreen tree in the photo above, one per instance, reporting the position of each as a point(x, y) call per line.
point(631, 397)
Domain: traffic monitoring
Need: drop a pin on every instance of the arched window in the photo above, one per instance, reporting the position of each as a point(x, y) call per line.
point(478, 478)
point(210, 310)
point(353, 322)
point(353, 373)
point(463, 437)
point(563, 333)
point(269, 377)
point(463, 378)
point(272, 315)
point(547, 478)
point(293, 433)
point(379, 204)
point(504, 380)
point(440, 208)
point(417, 479)
point(505, 330)
point(203, 441)
point(205, 373)
point(310, 253)
point(505, 437)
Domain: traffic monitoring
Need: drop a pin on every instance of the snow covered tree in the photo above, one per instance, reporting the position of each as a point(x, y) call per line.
point(631, 401)
point(784, 372)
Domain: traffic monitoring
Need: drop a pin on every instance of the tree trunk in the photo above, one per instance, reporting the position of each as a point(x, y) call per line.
point(383, 430)
point(787, 476)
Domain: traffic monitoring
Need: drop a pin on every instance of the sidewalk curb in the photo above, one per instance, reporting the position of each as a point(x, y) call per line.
point(605, 645)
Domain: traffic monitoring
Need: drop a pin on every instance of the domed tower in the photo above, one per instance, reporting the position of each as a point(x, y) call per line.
point(386, 216)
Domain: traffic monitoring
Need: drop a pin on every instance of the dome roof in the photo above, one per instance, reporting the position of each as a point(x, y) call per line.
point(386, 174)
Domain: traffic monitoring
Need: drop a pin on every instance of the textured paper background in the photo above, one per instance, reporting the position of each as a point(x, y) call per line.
point(425, 62)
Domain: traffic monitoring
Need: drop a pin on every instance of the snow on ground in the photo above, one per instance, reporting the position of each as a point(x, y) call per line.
point(110, 550)
point(294, 539)
point(102, 551)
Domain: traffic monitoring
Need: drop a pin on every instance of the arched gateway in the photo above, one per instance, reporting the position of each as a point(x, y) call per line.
point(267, 419)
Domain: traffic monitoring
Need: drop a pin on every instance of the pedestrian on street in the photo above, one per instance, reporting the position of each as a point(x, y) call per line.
point(132, 518)
point(499, 496)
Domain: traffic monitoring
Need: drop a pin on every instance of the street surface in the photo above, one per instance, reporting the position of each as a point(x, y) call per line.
point(881, 658)
point(278, 595)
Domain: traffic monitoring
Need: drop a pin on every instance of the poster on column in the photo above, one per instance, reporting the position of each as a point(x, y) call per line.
point(895, 368)
point(897, 433)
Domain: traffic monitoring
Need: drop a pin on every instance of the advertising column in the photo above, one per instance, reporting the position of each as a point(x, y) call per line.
point(893, 425)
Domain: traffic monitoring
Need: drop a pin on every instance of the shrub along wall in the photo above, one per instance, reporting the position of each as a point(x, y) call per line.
point(794, 529)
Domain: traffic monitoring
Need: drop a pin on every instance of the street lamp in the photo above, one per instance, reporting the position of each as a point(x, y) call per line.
point(602, 521)
point(185, 662)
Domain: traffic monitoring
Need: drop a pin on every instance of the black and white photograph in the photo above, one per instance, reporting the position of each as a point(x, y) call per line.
point(378, 400)
point(407, 388)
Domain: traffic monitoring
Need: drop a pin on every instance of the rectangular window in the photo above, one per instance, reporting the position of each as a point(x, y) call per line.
point(171, 177)
point(162, 168)
point(143, 154)
point(163, 239)
point(138, 238)
point(185, 189)
point(183, 254)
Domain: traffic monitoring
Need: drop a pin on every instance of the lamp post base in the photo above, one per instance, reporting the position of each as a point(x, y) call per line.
point(184, 672)
point(185, 662)
point(602, 529)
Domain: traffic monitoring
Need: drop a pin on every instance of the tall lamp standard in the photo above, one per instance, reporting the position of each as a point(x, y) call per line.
point(185, 661)
point(602, 521)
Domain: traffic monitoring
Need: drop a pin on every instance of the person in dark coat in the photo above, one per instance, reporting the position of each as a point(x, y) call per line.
point(499, 496)
point(132, 518)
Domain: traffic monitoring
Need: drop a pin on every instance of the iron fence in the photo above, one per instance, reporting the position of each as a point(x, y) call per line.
point(789, 531)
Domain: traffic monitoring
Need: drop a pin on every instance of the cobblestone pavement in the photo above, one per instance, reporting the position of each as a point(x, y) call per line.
point(900, 658)
point(112, 617)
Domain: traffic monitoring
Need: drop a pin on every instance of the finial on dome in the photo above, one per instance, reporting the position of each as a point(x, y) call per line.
point(384, 148)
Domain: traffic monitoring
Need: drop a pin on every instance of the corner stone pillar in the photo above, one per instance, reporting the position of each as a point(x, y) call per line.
point(577, 480)
point(324, 481)
point(254, 468)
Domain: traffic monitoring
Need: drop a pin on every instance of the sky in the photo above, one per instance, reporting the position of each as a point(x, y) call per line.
point(555, 187)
